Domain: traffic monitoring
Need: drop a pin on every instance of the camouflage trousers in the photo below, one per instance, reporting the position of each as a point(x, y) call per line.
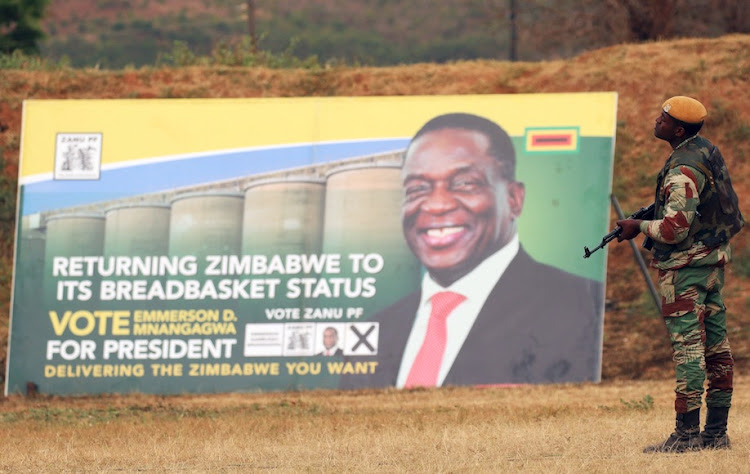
point(696, 319)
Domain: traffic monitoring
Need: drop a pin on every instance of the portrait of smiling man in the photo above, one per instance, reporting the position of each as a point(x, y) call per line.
point(486, 311)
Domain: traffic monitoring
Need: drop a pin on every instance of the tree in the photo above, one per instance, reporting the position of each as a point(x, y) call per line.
point(548, 28)
point(251, 25)
point(647, 19)
point(735, 14)
point(20, 25)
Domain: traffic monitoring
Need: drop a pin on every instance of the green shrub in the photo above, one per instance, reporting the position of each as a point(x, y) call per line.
point(644, 404)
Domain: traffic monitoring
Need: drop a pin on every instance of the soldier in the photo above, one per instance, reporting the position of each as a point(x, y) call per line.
point(696, 214)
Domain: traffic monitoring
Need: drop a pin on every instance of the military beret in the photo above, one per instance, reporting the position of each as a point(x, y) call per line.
point(685, 109)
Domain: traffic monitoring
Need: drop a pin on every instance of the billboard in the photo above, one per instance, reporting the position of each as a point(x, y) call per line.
point(215, 245)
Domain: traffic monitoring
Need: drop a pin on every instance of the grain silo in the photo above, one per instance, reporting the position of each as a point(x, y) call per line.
point(137, 229)
point(70, 235)
point(29, 270)
point(30, 251)
point(363, 216)
point(206, 223)
point(284, 216)
point(74, 235)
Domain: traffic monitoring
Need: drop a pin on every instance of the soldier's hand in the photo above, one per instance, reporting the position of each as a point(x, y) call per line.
point(630, 229)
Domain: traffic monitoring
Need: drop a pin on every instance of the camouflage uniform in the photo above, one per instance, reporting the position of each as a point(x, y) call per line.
point(691, 275)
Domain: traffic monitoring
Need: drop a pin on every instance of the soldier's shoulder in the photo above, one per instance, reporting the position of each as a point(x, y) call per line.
point(698, 148)
point(694, 154)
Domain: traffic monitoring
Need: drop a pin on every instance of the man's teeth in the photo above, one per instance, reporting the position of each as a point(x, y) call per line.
point(443, 231)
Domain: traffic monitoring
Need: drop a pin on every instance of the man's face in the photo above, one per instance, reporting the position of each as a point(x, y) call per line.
point(457, 208)
point(330, 338)
point(665, 127)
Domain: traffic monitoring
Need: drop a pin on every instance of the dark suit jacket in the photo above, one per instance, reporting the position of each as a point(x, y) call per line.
point(538, 325)
point(337, 352)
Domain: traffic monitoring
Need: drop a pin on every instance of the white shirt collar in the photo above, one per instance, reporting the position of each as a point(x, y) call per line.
point(479, 282)
point(476, 286)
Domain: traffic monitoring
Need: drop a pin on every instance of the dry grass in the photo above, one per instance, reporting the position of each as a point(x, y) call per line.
point(565, 428)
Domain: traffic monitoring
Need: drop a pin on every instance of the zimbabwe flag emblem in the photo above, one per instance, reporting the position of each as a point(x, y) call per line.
point(558, 139)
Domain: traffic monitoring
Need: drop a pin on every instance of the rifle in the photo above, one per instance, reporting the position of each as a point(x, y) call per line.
point(645, 213)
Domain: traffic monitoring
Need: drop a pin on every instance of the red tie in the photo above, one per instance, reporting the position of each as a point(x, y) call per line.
point(424, 371)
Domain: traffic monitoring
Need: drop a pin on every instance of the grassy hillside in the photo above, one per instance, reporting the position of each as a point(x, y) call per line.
point(716, 71)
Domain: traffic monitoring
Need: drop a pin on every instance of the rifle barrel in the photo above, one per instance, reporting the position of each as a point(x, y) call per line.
point(605, 240)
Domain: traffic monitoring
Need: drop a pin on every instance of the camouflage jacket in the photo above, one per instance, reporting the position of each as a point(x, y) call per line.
point(686, 231)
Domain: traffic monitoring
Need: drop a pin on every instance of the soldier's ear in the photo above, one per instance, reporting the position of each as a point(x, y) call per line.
point(679, 131)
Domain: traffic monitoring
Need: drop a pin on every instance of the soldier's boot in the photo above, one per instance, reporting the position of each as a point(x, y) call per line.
point(715, 433)
point(686, 436)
